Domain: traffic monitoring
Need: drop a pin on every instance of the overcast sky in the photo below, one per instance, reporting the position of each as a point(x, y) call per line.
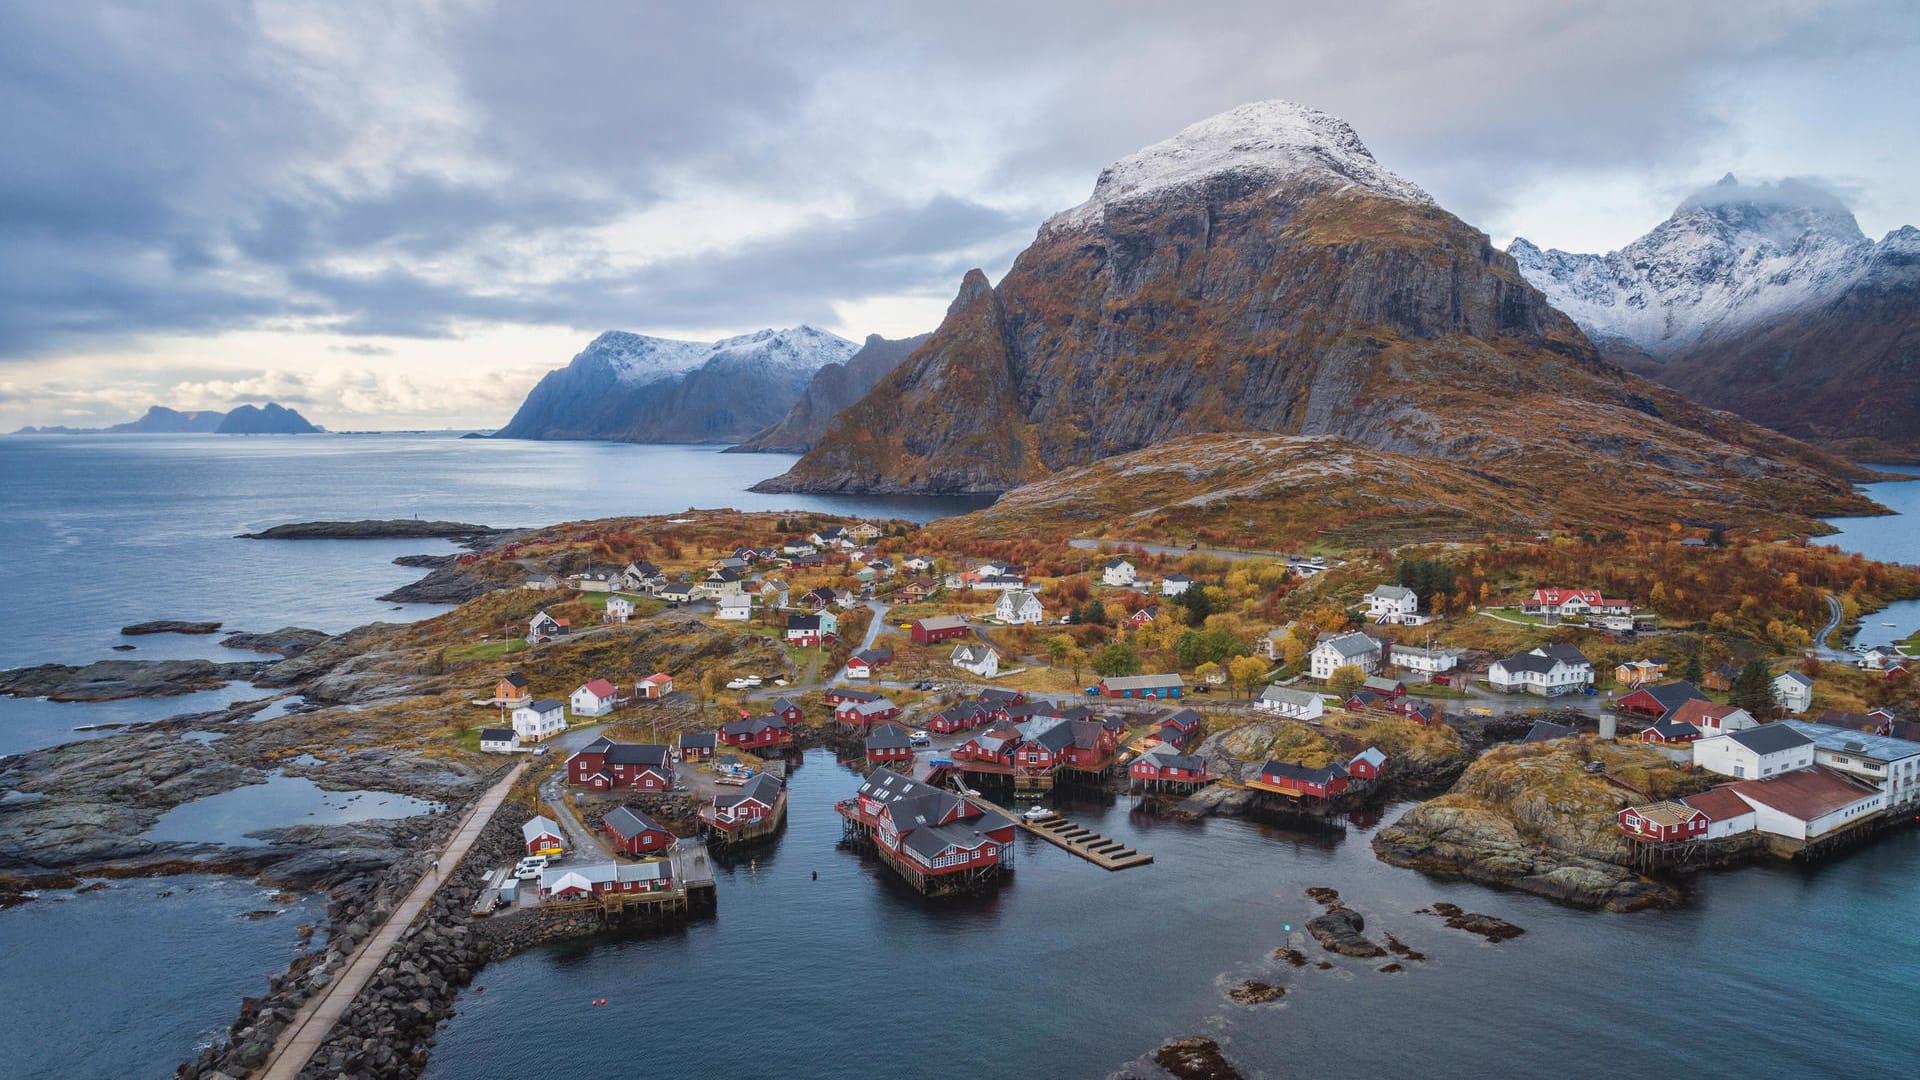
point(400, 213)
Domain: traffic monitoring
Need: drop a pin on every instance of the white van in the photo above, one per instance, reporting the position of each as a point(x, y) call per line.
point(528, 869)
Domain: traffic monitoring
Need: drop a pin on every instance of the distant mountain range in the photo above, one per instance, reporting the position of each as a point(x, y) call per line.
point(635, 388)
point(834, 387)
point(268, 419)
point(1261, 272)
point(1766, 300)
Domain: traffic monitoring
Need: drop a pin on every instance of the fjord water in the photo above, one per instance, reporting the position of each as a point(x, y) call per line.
point(1072, 971)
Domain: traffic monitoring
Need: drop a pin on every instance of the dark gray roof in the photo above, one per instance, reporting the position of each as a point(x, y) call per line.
point(889, 737)
point(1675, 694)
point(754, 725)
point(496, 734)
point(547, 704)
point(516, 679)
point(698, 740)
point(636, 754)
point(1674, 729)
point(1546, 730)
point(993, 699)
point(803, 622)
point(764, 787)
point(1287, 769)
point(1770, 738)
point(627, 822)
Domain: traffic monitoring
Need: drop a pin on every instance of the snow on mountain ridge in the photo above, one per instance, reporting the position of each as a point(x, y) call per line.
point(1729, 255)
point(638, 359)
point(1271, 139)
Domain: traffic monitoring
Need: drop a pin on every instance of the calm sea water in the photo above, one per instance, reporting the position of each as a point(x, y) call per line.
point(1072, 971)
point(104, 531)
point(131, 980)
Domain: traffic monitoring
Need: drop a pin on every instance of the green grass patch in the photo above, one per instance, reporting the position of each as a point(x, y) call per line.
point(1432, 690)
point(485, 650)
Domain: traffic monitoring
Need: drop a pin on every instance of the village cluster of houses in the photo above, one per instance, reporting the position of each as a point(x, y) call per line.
point(928, 833)
point(532, 720)
point(1795, 782)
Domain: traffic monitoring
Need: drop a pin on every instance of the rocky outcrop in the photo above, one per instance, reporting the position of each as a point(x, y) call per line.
point(114, 680)
point(1195, 1058)
point(375, 529)
point(1531, 816)
point(170, 626)
point(286, 641)
point(1338, 930)
point(834, 387)
point(1280, 295)
point(159, 420)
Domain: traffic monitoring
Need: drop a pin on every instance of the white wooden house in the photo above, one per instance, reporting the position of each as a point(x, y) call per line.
point(539, 720)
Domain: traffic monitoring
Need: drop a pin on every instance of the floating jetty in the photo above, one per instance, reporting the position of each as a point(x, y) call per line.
point(1082, 841)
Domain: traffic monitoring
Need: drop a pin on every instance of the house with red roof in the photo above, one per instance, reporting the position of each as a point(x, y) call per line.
point(597, 697)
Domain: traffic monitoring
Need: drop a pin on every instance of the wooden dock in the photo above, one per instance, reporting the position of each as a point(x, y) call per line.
point(1080, 840)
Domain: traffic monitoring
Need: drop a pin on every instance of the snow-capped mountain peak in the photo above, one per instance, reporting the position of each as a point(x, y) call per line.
point(1730, 254)
point(638, 359)
point(1272, 140)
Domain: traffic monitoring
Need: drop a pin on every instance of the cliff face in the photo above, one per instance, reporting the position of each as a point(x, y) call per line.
point(833, 388)
point(634, 388)
point(1239, 287)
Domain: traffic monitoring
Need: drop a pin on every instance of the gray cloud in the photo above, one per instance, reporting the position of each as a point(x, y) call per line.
point(396, 170)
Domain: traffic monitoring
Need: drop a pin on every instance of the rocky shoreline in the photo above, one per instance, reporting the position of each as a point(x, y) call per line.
point(117, 680)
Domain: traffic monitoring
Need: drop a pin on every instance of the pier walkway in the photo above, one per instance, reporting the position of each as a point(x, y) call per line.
point(1079, 840)
point(316, 1018)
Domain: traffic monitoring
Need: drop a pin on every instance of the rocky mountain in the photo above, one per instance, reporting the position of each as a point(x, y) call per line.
point(834, 387)
point(635, 388)
point(270, 419)
point(1261, 272)
point(1766, 300)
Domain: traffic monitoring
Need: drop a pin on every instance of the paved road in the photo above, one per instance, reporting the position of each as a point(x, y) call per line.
point(874, 626)
point(297, 1044)
point(1836, 613)
point(582, 843)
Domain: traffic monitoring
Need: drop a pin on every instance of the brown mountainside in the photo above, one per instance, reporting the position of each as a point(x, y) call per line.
point(1308, 297)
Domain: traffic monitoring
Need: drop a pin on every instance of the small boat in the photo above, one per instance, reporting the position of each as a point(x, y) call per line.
point(1889, 624)
point(1037, 813)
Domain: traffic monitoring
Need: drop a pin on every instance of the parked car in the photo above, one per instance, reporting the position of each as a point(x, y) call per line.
point(1093, 691)
point(919, 739)
point(1200, 688)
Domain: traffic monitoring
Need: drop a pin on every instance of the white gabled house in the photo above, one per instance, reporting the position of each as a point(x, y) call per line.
point(1549, 671)
point(1117, 572)
point(979, 659)
point(1340, 650)
point(595, 698)
point(1754, 753)
point(1425, 661)
point(1018, 607)
point(736, 607)
point(1293, 704)
point(541, 719)
point(1793, 690)
point(1392, 604)
point(1175, 584)
point(619, 609)
point(496, 740)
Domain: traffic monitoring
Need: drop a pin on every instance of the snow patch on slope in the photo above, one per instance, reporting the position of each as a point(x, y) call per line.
point(1730, 255)
point(1269, 140)
point(639, 359)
